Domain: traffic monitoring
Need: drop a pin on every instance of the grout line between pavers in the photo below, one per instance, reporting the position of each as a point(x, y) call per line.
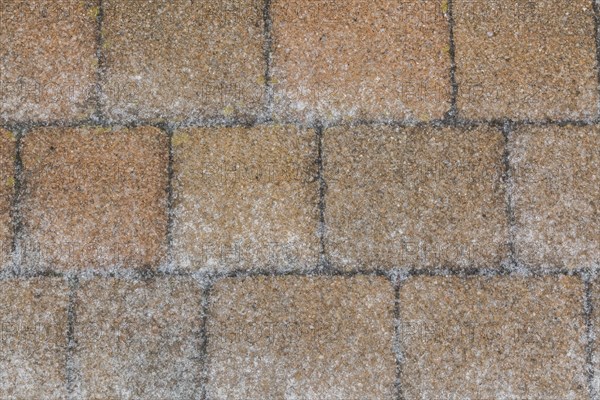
point(453, 112)
point(324, 263)
point(507, 131)
point(100, 59)
point(268, 47)
point(170, 198)
point(596, 9)
point(398, 355)
point(16, 218)
point(588, 308)
point(71, 370)
point(446, 123)
point(204, 340)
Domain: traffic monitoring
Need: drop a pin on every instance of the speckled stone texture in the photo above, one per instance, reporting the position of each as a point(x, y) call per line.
point(414, 197)
point(245, 198)
point(94, 198)
point(138, 340)
point(493, 338)
point(33, 338)
point(47, 59)
point(525, 59)
point(183, 59)
point(7, 184)
point(556, 196)
point(360, 60)
point(301, 338)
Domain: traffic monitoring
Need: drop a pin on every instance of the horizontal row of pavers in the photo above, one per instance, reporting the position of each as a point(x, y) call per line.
point(328, 60)
point(297, 337)
point(245, 198)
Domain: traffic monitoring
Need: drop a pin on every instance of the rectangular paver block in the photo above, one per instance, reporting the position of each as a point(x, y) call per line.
point(94, 198)
point(33, 338)
point(48, 53)
point(493, 338)
point(7, 186)
point(245, 198)
point(556, 196)
point(183, 59)
point(301, 337)
point(525, 59)
point(414, 197)
point(350, 60)
point(138, 339)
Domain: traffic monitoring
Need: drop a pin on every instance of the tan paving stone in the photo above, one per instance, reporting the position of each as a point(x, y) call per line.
point(493, 338)
point(360, 59)
point(94, 198)
point(245, 198)
point(301, 337)
point(47, 59)
point(33, 338)
point(525, 59)
point(556, 196)
point(7, 185)
point(138, 339)
point(184, 59)
point(414, 197)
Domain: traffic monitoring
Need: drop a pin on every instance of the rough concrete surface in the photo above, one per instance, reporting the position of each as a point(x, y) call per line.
point(500, 338)
point(556, 196)
point(301, 338)
point(414, 197)
point(245, 198)
point(47, 59)
point(33, 338)
point(94, 198)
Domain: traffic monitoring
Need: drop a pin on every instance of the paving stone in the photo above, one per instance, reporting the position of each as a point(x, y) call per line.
point(595, 325)
point(302, 338)
point(414, 197)
point(47, 59)
point(360, 60)
point(245, 198)
point(556, 196)
point(94, 198)
point(33, 338)
point(7, 184)
point(493, 338)
point(525, 59)
point(184, 59)
point(138, 339)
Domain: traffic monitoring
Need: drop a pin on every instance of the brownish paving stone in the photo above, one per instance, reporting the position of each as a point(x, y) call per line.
point(184, 59)
point(301, 337)
point(526, 59)
point(414, 197)
point(493, 338)
point(33, 338)
point(47, 59)
point(360, 60)
point(138, 339)
point(595, 333)
point(245, 198)
point(94, 198)
point(556, 196)
point(7, 184)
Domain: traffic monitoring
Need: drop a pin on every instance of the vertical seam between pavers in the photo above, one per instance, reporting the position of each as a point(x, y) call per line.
point(99, 112)
point(323, 262)
point(203, 335)
point(453, 112)
point(169, 257)
point(268, 54)
point(588, 308)
point(596, 9)
point(71, 370)
point(15, 209)
point(507, 132)
point(399, 395)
